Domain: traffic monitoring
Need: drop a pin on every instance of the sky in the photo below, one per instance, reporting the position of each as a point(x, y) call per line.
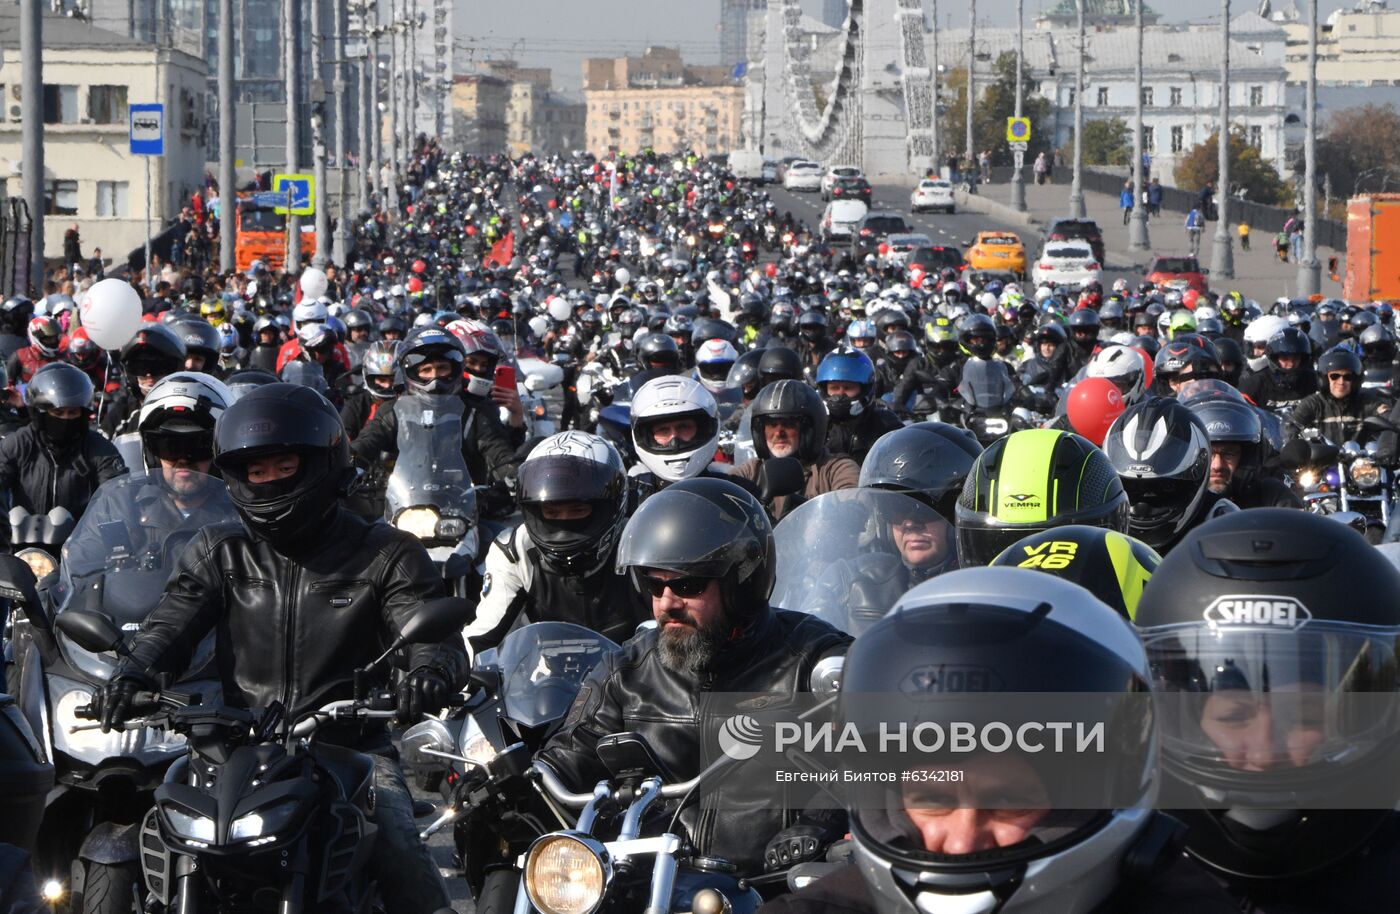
point(559, 34)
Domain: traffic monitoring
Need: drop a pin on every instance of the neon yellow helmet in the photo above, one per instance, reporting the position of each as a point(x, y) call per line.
point(1112, 566)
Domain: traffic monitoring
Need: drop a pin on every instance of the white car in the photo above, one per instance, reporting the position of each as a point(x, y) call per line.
point(1067, 263)
point(931, 194)
point(838, 171)
point(803, 176)
point(899, 247)
point(841, 218)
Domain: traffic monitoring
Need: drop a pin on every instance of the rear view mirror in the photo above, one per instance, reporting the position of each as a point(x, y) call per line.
point(436, 620)
point(629, 756)
point(17, 581)
point(780, 476)
point(91, 631)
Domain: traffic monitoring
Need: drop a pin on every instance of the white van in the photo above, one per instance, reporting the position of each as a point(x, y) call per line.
point(841, 218)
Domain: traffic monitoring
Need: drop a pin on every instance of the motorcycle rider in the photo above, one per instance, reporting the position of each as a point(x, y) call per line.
point(383, 382)
point(789, 419)
point(1288, 375)
point(846, 381)
point(155, 351)
point(1252, 704)
point(994, 839)
point(1341, 410)
point(57, 460)
point(813, 343)
point(558, 565)
point(45, 348)
point(1237, 449)
point(703, 550)
point(282, 451)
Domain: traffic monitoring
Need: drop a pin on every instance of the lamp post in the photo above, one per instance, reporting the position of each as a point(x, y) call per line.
point(971, 89)
point(1076, 188)
point(318, 138)
point(291, 70)
point(341, 246)
point(31, 37)
point(1137, 224)
point(1018, 183)
point(228, 199)
point(1309, 270)
point(1222, 260)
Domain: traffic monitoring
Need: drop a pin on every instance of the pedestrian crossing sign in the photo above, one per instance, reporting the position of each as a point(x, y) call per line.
point(1018, 129)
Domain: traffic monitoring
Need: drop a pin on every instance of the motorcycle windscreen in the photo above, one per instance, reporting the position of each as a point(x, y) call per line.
point(743, 437)
point(430, 470)
point(848, 556)
point(542, 666)
point(986, 384)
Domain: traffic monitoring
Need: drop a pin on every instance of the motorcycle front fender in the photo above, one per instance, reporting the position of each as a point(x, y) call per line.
point(111, 844)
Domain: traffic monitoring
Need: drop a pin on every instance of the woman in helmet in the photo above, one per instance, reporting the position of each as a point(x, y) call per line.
point(282, 452)
point(558, 565)
point(846, 381)
point(1030, 481)
point(1026, 827)
point(57, 460)
point(1276, 678)
point(701, 554)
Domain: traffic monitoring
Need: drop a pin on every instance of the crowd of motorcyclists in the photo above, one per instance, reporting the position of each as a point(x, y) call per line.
point(735, 452)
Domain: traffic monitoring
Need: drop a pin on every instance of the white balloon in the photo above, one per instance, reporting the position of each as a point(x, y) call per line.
point(313, 283)
point(111, 313)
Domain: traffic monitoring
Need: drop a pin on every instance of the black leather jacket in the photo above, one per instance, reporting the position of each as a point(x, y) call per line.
point(856, 437)
point(295, 630)
point(633, 691)
point(38, 478)
point(487, 446)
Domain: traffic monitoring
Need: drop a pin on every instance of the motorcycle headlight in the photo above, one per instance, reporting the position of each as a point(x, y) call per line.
point(39, 562)
point(1307, 479)
point(420, 522)
point(92, 745)
point(1365, 474)
point(475, 745)
point(566, 874)
point(263, 823)
point(189, 826)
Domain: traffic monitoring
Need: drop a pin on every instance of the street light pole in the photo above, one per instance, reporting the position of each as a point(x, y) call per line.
point(1137, 223)
point(391, 183)
point(1222, 261)
point(971, 88)
point(228, 197)
point(935, 69)
point(342, 114)
point(1018, 183)
point(1076, 188)
point(318, 137)
point(291, 70)
point(1309, 270)
point(31, 38)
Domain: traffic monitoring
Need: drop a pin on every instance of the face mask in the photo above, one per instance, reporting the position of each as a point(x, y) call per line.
point(60, 433)
point(478, 386)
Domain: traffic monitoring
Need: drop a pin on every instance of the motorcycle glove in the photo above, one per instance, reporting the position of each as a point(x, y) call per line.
point(112, 704)
point(798, 844)
point(424, 691)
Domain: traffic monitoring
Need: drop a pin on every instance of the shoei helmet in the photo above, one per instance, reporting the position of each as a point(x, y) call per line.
point(665, 402)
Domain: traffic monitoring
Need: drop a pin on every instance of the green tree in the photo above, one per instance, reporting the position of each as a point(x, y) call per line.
point(1248, 169)
point(1360, 151)
point(996, 101)
point(1106, 142)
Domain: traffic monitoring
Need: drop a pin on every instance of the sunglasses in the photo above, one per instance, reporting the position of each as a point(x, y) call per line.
point(1341, 376)
point(685, 587)
point(178, 449)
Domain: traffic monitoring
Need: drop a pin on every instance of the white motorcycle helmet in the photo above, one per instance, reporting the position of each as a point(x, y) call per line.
point(1259, 331)
point(1122, 366)
point(309, 312)
point(666, 400)
point(713, 360)
point(184, 405)
point(559, 308)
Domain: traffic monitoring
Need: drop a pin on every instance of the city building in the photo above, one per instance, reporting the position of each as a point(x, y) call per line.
point(91, 78)
point(479, 103)
point(657, 101)
point(1097, 14)
point(734, 16)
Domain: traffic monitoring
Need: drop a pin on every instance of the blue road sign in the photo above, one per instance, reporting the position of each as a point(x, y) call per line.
point(303, 189)
point(147, 124)
point(269, 199)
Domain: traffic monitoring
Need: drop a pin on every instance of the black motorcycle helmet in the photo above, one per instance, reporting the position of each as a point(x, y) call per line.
point(707, 528)
point(201, 342)
point(811, 325)
point(658, 352)
point(1290, 341)
point(713, 328)
point(928, 461)
point(1112, 566)
point(574, 467)
point(357, 320)
point(1030, 481)
point(15, 314)
point(1258, 612)
point(1162, 452)
point(1183, 359)
point(56, 386)
point(154, 352)
point(790, 399)
point(245, 379)
point(901, 349)
point(392, 328)
point(779, 363)
point(427, 344)
point(890, 320)
point(978, 335)
point(1231, 357)
point(744, 374)
point(1339, 361)
point(1084, 329)
point(292, 513)
point(1378, 345)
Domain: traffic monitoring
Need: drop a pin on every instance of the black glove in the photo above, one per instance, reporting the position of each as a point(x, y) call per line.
point(798, 844)
point(424, 691)
point(112, 703)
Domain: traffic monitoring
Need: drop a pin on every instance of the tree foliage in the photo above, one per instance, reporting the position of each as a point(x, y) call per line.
point(1248, 169)
point(1106, 142)
point(995, 103)
point(1360, 151)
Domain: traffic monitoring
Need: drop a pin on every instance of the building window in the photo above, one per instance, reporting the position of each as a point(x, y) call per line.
point(111, 199)
point(1176, 96)
point(107, 104)
point(1256, 96)
point(1149, 139)
point(1147, 96)
point(60, 104)
point(1178, 139)
point(1071, 98)
point(1103, 95)
point(1256, 137)
point(60, 197)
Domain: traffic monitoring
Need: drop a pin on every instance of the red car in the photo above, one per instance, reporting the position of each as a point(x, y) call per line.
point(1180, 272)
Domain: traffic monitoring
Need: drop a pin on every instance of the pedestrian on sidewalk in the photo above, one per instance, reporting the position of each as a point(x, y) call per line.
point(1244, 235)
point(984, 164)
point(1154, 197)
point(1281, 246)
point(1195, 224)
point(1125, 201)
point(1041, 167)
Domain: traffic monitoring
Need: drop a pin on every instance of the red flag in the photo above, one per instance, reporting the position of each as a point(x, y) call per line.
point(503, 251)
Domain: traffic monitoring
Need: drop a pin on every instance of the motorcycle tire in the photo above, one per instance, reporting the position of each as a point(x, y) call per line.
point(498, 892)
point(110, 889)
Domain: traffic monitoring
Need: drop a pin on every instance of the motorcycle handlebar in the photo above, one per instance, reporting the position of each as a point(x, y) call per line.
point(565, 797)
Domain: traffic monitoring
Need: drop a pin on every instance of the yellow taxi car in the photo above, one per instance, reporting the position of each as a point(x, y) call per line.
point(997, 251)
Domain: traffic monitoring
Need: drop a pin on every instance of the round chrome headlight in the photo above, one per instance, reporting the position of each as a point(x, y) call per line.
point(1365, 474)
point(39, 562)
point(566, 874)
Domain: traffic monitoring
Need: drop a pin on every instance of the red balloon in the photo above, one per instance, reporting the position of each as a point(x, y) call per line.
point(883, 249)
point(1147, 367)
point(1093, 405)
point(770, 270)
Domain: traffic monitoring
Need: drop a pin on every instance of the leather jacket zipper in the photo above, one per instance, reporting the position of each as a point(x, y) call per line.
point(289, 642)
